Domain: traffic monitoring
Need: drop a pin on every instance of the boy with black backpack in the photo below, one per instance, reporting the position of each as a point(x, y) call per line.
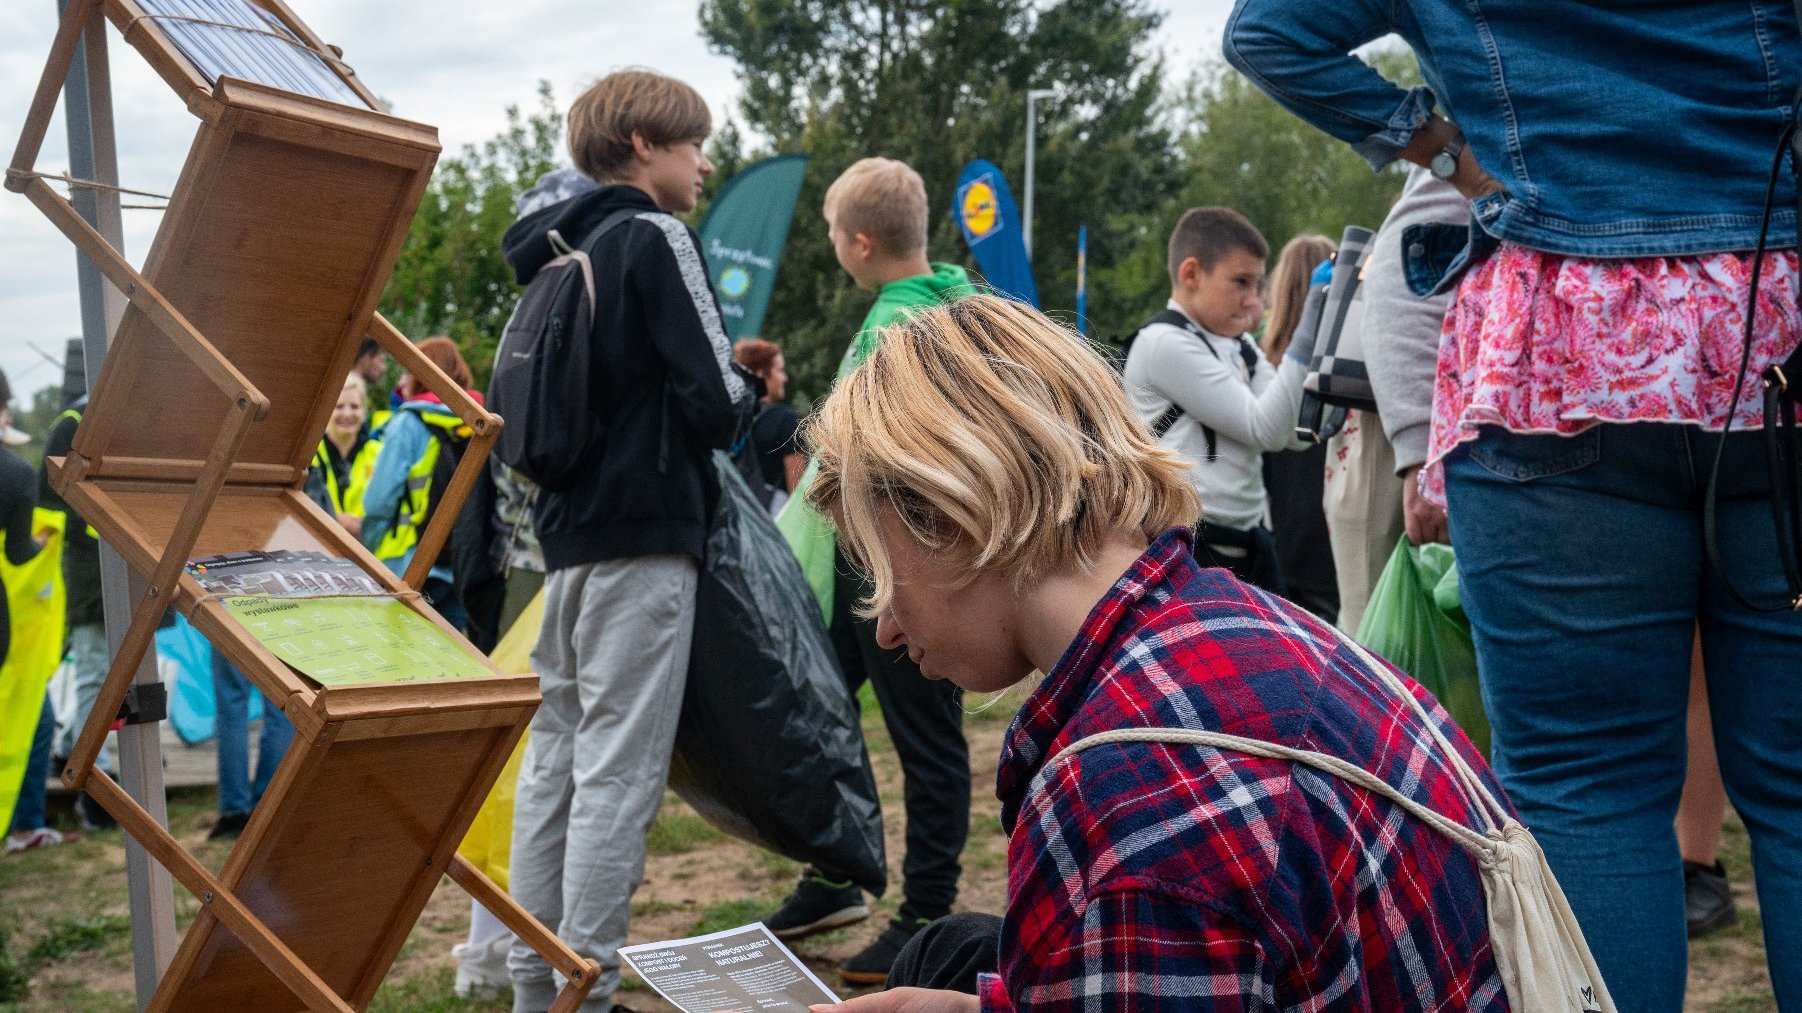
point(1199, 383)
point(630, 379)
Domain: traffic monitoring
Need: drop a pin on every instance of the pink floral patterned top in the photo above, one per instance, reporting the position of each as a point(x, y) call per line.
point(1546, 343)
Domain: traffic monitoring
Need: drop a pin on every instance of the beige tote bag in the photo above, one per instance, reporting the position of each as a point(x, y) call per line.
point(1539, 949)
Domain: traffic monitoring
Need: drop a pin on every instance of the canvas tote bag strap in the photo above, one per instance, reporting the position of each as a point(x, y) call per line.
point(1470, 840)
point(1488, 810)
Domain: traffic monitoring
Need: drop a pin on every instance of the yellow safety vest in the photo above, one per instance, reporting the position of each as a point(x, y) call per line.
point(35, 597)
point(348, 500)
point(410, 515)
point(70, 413)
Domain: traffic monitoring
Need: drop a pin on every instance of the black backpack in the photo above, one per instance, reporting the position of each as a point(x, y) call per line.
point(544, 368)
point(1115, 350)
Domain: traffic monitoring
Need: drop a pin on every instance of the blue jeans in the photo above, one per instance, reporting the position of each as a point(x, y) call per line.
point(28, 811)
point(231, 731)
point(1585, 578)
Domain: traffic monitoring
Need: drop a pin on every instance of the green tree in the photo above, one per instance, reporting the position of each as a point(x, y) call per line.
point(451, 278)
point(936, 84)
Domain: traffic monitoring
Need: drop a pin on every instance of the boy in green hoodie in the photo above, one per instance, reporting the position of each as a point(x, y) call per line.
point(877, 214)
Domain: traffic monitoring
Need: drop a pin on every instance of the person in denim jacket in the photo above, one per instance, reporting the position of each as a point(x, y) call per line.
point(1616, 158)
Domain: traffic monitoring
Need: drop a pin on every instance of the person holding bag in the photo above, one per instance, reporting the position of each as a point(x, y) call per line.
point(1629, 279)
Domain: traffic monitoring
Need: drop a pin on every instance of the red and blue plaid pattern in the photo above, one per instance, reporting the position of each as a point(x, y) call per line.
point(1145, 876)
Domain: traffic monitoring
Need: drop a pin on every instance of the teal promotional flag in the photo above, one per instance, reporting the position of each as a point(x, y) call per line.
point(743, 234)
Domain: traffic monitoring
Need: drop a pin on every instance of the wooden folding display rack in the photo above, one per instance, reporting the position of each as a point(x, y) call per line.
point(256, 292)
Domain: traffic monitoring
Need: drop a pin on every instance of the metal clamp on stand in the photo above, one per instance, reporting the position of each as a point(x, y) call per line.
point(145, 703)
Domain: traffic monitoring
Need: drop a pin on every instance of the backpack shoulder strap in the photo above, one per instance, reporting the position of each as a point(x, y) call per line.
point(608, 224)
point(1249, 353)
point(1163, 423)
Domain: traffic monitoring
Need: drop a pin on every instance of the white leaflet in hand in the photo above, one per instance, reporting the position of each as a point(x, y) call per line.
point(745, 969)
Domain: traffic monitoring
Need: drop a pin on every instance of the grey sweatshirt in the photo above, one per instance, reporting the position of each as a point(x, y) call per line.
point(1401, 330)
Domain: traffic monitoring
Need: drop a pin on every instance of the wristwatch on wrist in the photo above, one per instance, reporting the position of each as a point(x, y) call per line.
point(1444, 165)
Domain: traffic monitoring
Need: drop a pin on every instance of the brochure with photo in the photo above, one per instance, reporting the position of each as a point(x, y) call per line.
point(282, 574)
point(329, 620)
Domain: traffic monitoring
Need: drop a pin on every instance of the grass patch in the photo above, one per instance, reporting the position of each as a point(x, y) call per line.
point(731, 914)
point(643, 908)
point(65, 939)
point(435, 992)
point(1741, 1002)
point(769, 865)
point(64, 997)
point(675, 832)
point(15, 977)
point(77, 935)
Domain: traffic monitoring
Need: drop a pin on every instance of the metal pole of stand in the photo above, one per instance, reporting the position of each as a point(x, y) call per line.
point(88, 113)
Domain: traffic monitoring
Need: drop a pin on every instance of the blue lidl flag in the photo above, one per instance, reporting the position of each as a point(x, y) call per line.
point(743, 235)
point(990, 221)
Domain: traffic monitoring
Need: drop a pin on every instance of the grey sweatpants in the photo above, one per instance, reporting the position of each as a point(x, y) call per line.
point(612, 660)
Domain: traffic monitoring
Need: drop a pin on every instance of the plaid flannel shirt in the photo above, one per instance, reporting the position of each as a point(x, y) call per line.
point(1146, 876)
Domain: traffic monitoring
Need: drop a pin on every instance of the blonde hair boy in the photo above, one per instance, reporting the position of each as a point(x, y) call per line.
point(878, 205)
point(876, 215)
point(999, 439)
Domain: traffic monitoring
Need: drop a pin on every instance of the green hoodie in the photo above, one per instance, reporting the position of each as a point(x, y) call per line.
point(945, 283)
point(809, 534)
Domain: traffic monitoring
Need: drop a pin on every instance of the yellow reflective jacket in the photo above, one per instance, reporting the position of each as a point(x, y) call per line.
point(421, 493)
point(34, 594)
point(349, 499)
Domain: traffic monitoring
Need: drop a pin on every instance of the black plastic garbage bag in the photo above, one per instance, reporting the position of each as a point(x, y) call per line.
point(769, 748)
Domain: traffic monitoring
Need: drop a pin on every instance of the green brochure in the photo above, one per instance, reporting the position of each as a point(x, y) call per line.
point(355, 641)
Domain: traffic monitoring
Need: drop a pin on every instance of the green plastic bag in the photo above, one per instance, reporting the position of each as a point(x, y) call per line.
point(813, 539)
point(1415, 620)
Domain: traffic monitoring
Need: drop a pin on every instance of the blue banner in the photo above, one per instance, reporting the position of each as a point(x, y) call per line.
point(990, 221)
point(743, 235)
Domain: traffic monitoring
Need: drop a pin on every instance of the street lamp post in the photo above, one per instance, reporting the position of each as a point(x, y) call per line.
point(1032, 130)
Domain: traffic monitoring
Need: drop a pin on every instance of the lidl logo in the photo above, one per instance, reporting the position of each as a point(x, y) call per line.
point(735, 282)
point(981, 213)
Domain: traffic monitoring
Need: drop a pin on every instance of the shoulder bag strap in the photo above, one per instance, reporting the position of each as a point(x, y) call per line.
point(1463, 836)
point(1490, 813)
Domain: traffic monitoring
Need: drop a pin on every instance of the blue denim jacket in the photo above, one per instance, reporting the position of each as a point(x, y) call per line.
point(1618, 129)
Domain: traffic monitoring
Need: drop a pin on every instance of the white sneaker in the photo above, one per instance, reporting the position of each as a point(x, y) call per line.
point(482, 968)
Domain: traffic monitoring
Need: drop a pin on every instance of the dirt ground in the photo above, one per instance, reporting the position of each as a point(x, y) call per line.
point(65, 915)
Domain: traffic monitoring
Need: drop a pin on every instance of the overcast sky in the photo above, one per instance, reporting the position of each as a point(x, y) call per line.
point(457, 67)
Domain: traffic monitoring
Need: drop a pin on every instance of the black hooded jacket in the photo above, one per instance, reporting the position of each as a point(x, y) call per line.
point(664, 383)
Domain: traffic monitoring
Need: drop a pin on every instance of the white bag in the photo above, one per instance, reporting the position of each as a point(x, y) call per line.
point(1539, 949)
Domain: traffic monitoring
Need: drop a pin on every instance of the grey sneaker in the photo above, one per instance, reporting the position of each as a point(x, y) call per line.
point(816, 905)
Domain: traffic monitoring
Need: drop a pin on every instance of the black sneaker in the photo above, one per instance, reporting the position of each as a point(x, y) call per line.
point(870, 965)
point(816, 905)
point(228, 828)
point(1707, 899)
